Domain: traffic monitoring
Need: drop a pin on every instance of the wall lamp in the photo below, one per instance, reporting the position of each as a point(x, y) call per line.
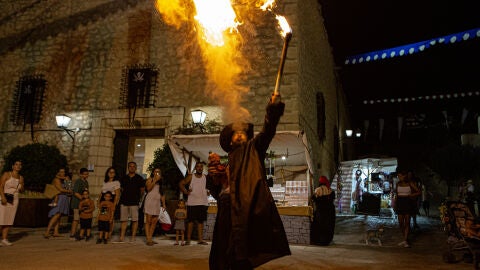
point(349, 133)
point(198, 118)
point(63, 121)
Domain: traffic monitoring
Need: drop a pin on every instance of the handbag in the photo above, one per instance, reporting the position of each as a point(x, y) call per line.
point(164, 220)
point(9, 197)
point(50, 191)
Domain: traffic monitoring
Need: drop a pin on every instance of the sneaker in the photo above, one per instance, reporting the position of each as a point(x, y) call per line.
point(87, 238)
point(406, 245)
point(105, 241)
point(402, 243)
point(99, 241)
point(6, 243)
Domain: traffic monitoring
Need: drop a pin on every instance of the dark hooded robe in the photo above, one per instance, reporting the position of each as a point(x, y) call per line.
point(323, 226)
point(248, 230)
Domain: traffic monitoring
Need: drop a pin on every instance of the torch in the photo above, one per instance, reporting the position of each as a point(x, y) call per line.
point(287, 34)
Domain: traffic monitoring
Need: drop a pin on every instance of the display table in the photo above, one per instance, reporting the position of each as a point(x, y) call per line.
point(32, 212)
point(296, 221)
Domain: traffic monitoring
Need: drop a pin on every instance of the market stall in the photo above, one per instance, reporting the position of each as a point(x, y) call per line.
point(364, 186)
point(288, 172)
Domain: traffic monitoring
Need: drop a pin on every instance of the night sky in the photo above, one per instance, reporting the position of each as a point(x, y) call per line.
point(356, 27)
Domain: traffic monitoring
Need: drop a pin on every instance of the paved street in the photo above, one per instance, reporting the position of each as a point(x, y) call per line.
point(32, 251)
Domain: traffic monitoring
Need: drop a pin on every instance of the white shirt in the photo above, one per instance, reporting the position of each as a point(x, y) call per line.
point(111, 186)
point(199, 195)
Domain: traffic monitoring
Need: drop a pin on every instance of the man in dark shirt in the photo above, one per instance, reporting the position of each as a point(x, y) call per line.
point(133, 185)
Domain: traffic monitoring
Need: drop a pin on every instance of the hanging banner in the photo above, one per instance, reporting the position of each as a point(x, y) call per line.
point(412, 48)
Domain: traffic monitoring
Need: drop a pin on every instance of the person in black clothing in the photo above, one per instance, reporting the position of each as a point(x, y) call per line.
point(133, 185)
point(248, 230)
point(323, 225)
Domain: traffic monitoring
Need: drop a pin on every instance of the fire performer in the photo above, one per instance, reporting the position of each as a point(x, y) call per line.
point(248, 230)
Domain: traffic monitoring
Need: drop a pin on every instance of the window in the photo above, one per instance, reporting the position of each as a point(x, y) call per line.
point(28, 100)
point(320, 116)
point(139, 85)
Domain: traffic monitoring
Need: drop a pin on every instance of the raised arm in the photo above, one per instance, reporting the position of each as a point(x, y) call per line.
point(274, 111)
point(185, 181)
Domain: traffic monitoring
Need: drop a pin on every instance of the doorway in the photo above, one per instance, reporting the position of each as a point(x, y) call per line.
point(136, 145)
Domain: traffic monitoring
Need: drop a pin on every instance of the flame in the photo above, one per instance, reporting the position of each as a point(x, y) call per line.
point(215, 17)
point(215, 23)
point(267, 5)
point(282, 22)
point(173, 12)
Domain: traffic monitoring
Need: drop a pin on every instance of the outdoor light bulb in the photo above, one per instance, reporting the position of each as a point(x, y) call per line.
point(62, 120)
point(198, 116)
point(358, 134)
point(284, 157)
point(349, 132)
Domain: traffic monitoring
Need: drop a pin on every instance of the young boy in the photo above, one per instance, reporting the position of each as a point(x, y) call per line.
point(86, 208)
point(105, 216)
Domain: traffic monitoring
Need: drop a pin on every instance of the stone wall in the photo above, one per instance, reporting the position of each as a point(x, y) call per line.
point(84, 47)
point(297, 228)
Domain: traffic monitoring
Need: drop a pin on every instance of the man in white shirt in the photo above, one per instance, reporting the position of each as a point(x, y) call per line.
point(197, 201)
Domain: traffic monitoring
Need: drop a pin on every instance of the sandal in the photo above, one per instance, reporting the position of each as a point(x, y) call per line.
point(46, 236)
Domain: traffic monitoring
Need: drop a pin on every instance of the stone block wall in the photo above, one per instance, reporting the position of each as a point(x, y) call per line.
point(84, 47)
point(297, 228)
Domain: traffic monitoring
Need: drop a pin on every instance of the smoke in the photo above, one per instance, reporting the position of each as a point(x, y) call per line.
point(224, 65)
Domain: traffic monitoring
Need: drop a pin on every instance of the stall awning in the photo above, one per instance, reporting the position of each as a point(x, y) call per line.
point(291, 144)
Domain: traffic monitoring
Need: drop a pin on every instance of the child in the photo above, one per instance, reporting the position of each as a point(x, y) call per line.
point(86, 208)
point(180, 216)
point(105, 217)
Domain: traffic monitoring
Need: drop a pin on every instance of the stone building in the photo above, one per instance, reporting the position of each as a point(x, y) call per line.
point(90, 59)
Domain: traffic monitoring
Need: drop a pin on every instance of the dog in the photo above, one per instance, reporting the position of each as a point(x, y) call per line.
point(374, 234)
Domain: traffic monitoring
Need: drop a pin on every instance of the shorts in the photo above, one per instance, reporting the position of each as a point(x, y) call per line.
point(85, 223)
point(103, 226)
point(127, 211)
point(76, 215)
point(197, 213)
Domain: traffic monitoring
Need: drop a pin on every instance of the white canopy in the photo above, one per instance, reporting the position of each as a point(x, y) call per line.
point(291, 144)
point(372, 165)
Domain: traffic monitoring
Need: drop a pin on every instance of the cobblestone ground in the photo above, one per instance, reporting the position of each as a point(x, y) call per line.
point(348, 251)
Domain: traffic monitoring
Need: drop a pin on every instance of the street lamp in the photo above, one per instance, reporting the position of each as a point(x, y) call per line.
point(349, 133)
point(198, 118)
point(62, 122)
point(349, 139)
point(358, 133)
